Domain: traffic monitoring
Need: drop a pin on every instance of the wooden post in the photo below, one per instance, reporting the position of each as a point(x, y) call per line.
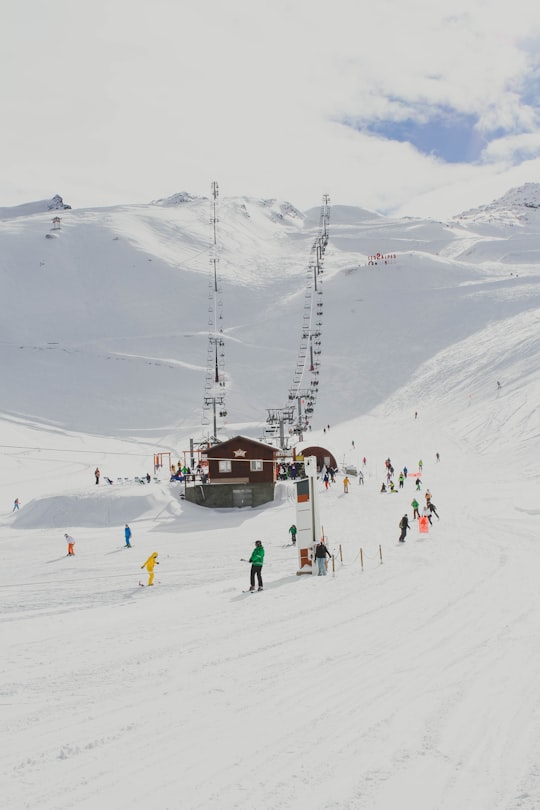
point(380, 553)
point(333, 566)
point(340, 553)
point(361, 559)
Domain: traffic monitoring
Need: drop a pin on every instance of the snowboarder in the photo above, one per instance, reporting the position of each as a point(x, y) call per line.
point(70, 544)
point(346, 483)
point(256, 560)
point(292, 532)
point(403, 525)
point(16, 503)
point(127, 535)
point(97, 474)
point(415, 505)
point(149, 565)
point(320, 555)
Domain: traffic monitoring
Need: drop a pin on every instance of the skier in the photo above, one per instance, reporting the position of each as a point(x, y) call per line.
point(433, 510)
point(71, 543)
point(418, 484)
point(401, 480)
point(320, 555)
point(16, 503)
point(346, 483)
point(403, 525)
point(149, 565)
point(426, 512)
point(428, 496)
point(420, 465)
point(415, 505)
point(405, 471)
point(292, 532)
point(360, 477)
point(97, 474)
point(127, 535)
point(256, 560)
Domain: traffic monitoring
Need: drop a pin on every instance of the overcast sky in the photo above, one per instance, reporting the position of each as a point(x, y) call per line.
point(416, 107)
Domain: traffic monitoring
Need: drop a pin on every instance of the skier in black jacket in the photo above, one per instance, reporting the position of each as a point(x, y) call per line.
point(320, 555)
point(403, 525)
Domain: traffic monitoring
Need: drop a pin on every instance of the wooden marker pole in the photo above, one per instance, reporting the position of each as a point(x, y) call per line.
point(380, 553)
point(340, 553)
point(361, 559)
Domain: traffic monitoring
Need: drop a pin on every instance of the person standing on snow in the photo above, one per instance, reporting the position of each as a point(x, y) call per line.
point(420, 465)
point(401, 480)
point(127, 535)
point(71, 543)
point(426, 512)
point(320, 555)
point(292, 532)
point(16, 504)
point(346, 483)
point(256, 560)
point(97, 474)
point(403, 525)
point(360, 477)
point(149, 565)
point(415, 505)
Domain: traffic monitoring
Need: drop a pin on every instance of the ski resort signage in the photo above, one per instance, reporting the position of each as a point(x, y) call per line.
point(307, 516)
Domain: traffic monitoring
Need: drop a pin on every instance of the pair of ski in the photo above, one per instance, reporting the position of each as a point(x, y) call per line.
point(252, 590)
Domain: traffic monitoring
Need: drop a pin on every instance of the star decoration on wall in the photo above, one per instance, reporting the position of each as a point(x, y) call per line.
point(239, 453)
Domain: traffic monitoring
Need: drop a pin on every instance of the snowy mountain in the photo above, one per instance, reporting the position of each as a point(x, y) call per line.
point(28, 209)
point(411, 670)
point(115, 305)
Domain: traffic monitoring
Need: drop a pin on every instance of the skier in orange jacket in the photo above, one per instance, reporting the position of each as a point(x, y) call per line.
point(149, 565)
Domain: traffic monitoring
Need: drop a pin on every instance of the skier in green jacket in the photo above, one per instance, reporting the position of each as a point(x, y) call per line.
point(256, 560)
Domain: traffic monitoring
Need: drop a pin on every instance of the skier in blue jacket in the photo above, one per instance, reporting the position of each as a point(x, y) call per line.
point(127, 534)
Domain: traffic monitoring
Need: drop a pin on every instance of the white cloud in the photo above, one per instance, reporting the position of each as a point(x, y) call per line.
point(121, 102)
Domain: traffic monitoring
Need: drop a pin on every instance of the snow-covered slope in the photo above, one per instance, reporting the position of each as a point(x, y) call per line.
point(410, 681)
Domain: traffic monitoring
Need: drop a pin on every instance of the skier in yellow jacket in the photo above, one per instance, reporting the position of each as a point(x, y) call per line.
point(149, 565)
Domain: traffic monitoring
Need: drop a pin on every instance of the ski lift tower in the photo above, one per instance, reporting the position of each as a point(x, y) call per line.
point(305, 387)
point(214, 389)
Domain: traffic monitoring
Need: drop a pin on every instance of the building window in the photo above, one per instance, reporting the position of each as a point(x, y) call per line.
point(256, 465)
point(224, 465)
